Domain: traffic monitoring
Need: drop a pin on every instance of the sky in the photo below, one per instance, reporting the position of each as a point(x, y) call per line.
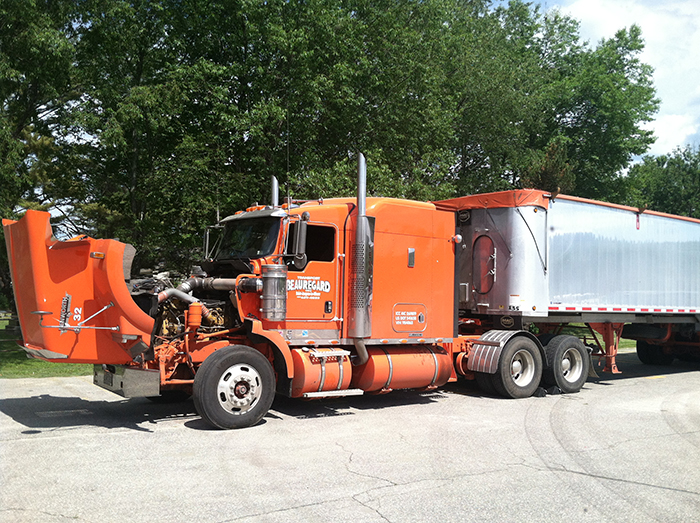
point(671, 31)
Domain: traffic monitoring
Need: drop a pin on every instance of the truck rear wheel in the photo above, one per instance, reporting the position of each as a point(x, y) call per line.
point(485, 383)
point(568, 363)
point(652, 354)
point(234, 387)
point(519, 369)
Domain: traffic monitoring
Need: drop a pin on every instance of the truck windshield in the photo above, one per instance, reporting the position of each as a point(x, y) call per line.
point(249, 238)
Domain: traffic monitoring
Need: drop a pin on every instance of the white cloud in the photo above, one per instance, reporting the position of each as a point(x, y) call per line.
point(671, 31)
point(669, 128)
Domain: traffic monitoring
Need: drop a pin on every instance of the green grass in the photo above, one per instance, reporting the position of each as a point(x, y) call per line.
point(581, 331)
point(14, 362)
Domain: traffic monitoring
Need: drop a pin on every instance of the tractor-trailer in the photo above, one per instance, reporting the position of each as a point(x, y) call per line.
point(347, 296)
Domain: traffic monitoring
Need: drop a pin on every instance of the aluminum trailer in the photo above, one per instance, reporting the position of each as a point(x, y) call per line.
point(530, 258)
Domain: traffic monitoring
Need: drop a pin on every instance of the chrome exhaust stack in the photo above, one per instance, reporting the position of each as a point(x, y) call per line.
point(361, 270)
point(275, 192)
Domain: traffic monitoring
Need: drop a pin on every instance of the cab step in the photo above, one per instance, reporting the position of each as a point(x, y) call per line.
point(334, 393)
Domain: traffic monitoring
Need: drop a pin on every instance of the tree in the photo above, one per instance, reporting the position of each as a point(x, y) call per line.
point(667, 183)
point(550, 170)
point(603, 111)
point(36, 63)
point(534, 87)
point(190, 107)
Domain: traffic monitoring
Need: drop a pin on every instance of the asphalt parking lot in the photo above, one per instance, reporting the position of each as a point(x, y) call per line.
point(626, 448)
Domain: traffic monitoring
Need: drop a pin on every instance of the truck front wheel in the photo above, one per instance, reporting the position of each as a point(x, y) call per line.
point(234, 387)
point(519, 369)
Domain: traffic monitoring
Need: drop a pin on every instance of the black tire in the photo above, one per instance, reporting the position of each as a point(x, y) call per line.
point(652, 354)
point(568, 363)
point(688, 357)
point(234, 387)
point(544, 339)
point(170, 396)
point(519, 369)
point(485, 382)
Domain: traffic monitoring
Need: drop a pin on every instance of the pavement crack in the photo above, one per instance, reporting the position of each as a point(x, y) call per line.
point(360, 474)
point(281, 510)
point(366, 493)
point(374, 509)
point(617, 480)
point(42, 512)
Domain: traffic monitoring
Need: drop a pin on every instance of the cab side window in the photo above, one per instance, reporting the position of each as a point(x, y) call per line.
point(320, 242)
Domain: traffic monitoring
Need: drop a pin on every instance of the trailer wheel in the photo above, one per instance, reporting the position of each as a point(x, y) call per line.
point(568, 363)
point(652, 354)
point(234, 387)
point(519, 369)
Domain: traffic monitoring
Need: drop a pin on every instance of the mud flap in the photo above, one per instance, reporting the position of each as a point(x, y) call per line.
point(486, 352)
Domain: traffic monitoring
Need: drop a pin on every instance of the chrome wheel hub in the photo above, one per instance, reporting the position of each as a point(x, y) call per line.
point(239, 388)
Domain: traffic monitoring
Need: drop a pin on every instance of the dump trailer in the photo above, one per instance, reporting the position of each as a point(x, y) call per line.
point(348, 296)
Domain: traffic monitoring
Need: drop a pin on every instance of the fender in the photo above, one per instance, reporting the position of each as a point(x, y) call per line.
point(486, 351)
point(257, 334)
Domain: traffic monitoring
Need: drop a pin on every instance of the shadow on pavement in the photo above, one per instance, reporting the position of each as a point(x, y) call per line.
point(346, 406)
point(46, 412)
point(630, 367)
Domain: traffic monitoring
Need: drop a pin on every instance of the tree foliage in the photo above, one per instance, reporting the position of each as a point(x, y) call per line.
point(667, 183)
point(142, 120)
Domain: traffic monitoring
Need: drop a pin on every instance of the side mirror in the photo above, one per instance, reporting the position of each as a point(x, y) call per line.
point(210, 249)
point(300, 259)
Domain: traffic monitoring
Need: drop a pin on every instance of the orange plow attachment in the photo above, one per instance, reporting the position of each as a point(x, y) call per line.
point(72, 300)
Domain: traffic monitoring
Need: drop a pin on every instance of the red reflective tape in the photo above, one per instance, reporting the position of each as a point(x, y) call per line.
point(645, 310)
point(602, 308)
point(554, 308)
point(587, 308)
point(657, 310)
point(617, 309)
point(631, 310)
point(571, 308)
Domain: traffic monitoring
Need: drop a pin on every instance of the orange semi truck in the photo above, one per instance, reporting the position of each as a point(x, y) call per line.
point(362, 295)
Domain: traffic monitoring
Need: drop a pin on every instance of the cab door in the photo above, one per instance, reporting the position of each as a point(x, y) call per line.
point(313, 287)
